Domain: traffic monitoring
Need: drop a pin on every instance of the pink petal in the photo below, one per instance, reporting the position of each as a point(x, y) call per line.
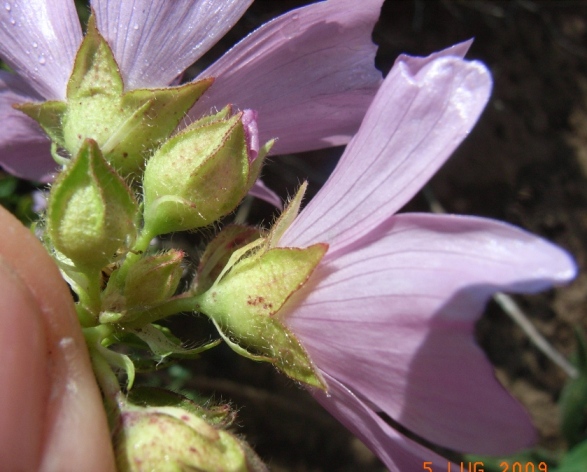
point(398, 453)
point(412, 127)
point(24, 147)
point(249, 121)
point(393, 321)
point(261, 191)
point(156, 40)
point(39, 39)
point(415, 63)
point(309, 73)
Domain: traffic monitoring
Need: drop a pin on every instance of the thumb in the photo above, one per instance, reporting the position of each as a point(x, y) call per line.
point(54, 403)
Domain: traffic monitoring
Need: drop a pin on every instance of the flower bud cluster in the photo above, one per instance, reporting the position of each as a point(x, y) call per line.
point(130, 176)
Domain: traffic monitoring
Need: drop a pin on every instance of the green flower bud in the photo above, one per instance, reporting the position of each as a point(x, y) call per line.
point(92, 214)
point(168, 438)
point(245, 300)
point(201, 174)
point(255, 281)
point(128, 126)
point(153, 279)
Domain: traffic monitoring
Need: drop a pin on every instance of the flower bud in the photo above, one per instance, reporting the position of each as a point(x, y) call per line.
point(91, 212)
point(153, 279)
point(127, 126)
point(201, 174)
point(245, 300)
point(170, 438)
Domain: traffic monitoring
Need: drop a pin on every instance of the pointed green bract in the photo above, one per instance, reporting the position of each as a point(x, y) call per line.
point(156, 113)
point(217, 415)
point(127, 125)
point(257, 164)
point(219, 250)
point(163, 344)
point(95, 71)
point(197, 176)
point(91, 212)
point(287, 217)
point(245, 299)
point(49, 115)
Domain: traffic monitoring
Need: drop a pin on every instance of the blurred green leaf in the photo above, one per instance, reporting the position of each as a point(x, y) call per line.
point(575, 460)
point(16, 197)
point(7, 186)
point(83, 10)
point(573, 399)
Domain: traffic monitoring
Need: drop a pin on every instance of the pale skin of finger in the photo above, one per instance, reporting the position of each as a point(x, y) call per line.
point(51, 417)
point(25, 377)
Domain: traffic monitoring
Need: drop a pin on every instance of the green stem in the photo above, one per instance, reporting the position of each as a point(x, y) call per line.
point(141, 245)
point(105, 376)
point(89, 296)
point(181, 303)
point(85, 317)
point(109, 385)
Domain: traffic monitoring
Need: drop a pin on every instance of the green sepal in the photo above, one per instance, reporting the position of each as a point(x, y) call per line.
point(217, 415)
point(128, 126)
point(95, 71)
point(245, 298)
point(157, 114)
point(196, 177)
point(119, 361)
point(139, 353)
point(257, 164)
point(222, 115)
point(287, 217)
point(218, 252)
point(163, 344)
point(268, 340)
point(91, 213)
point(49, 115)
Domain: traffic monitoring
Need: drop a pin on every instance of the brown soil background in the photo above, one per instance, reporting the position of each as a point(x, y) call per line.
point(525, 163)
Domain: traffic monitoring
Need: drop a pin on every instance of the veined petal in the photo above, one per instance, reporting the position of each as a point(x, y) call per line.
point(39, 39)
point(393, 321)
point(156, 40)
point(24, 147)
point(423, 111)
point(261, 191)
point(396, 451)
point(310, 74)
point(415, 63)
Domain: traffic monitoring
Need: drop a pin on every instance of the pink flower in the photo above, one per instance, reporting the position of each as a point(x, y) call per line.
point(388, 315)
point(309, 73)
